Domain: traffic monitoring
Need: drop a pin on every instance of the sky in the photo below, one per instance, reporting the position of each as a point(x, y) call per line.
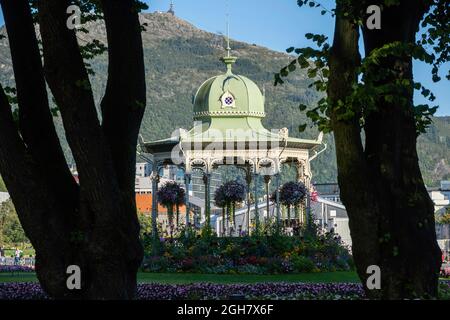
point(278, 25)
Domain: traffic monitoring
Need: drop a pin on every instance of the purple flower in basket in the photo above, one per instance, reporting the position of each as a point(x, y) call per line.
point(291, 193)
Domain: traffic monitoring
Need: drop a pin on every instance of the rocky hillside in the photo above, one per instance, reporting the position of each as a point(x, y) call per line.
point(179, 57)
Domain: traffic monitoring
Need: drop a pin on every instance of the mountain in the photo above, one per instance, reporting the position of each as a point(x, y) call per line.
point(434, 151)
point(2, 185)
point(180, 57)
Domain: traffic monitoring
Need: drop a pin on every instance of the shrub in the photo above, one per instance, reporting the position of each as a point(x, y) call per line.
point(250, 269)
point(302, 264)
point(275, 265)
point(156, 264)
point(259, 254)
point(444, 290)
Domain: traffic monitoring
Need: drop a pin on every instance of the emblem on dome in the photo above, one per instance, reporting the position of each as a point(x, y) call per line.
point(228, 100)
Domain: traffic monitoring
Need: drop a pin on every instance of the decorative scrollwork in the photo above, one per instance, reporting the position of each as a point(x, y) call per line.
point(267, 167)
point(215, 163)
point(198, 164)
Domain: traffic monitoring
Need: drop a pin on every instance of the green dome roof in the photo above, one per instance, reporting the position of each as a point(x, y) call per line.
point(228, 95)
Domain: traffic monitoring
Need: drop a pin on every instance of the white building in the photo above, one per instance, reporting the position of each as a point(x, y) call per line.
point(440, 197)
point(143, 185)
point(4, 196)
point(441, 200)
point(143, 169)
point(330, 213)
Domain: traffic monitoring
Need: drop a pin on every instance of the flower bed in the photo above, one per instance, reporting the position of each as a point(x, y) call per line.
point(445, 272)
point(249, 255)
point(21, 291)
point(12, 269)
point(263, 291)
point(208, 291)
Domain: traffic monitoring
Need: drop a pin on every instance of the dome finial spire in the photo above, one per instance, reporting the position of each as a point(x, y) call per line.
point(228, 60)
point(228, 34)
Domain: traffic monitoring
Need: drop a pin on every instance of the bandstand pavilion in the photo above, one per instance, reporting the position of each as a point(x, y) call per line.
point(228, 130)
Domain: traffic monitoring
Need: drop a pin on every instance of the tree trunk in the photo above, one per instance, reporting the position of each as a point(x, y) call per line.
point(170, 217)
point(410, 257)
point(391, 215)
point(178, 214)
point(223, 221)
point(35, 119)
point(94, 225)
point(233, 208)
point(357, 195)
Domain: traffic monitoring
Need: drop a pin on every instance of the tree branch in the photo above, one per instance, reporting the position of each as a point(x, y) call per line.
point(353, 171)
point(124, 101)
point(35, 119)
point(67, 77)
point(35, 203)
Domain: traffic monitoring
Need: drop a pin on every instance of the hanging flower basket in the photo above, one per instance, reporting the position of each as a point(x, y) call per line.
point(226, 197)
point(292, 193)
point(170, 195)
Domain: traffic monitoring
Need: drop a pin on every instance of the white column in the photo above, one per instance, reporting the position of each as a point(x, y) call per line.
point(187, 181)
point(278, 198)
point(155, 181)
point(255, 183)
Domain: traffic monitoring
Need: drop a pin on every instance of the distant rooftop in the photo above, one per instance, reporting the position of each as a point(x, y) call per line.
point(327, 188)
point(445, 186)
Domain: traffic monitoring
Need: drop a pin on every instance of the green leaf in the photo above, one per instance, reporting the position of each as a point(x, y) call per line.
point(289, 50)
point(292, 67)
point(390, 3)
point(302, 127)
point(277, 80)
point(303, 62)
point(302, 107)
point(436, 78)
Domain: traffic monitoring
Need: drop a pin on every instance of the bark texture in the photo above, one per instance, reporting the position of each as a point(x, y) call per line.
point(391, 214)
point(94, 224)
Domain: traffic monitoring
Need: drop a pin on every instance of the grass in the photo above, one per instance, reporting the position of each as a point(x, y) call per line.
point(183, 278)
point(26, 252)
point(18, 277)
point(239, 278)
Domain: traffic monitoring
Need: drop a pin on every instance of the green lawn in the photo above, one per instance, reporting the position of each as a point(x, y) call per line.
point(227, 278)
point(26, 252)
point(180, 278)
point(18, 277)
